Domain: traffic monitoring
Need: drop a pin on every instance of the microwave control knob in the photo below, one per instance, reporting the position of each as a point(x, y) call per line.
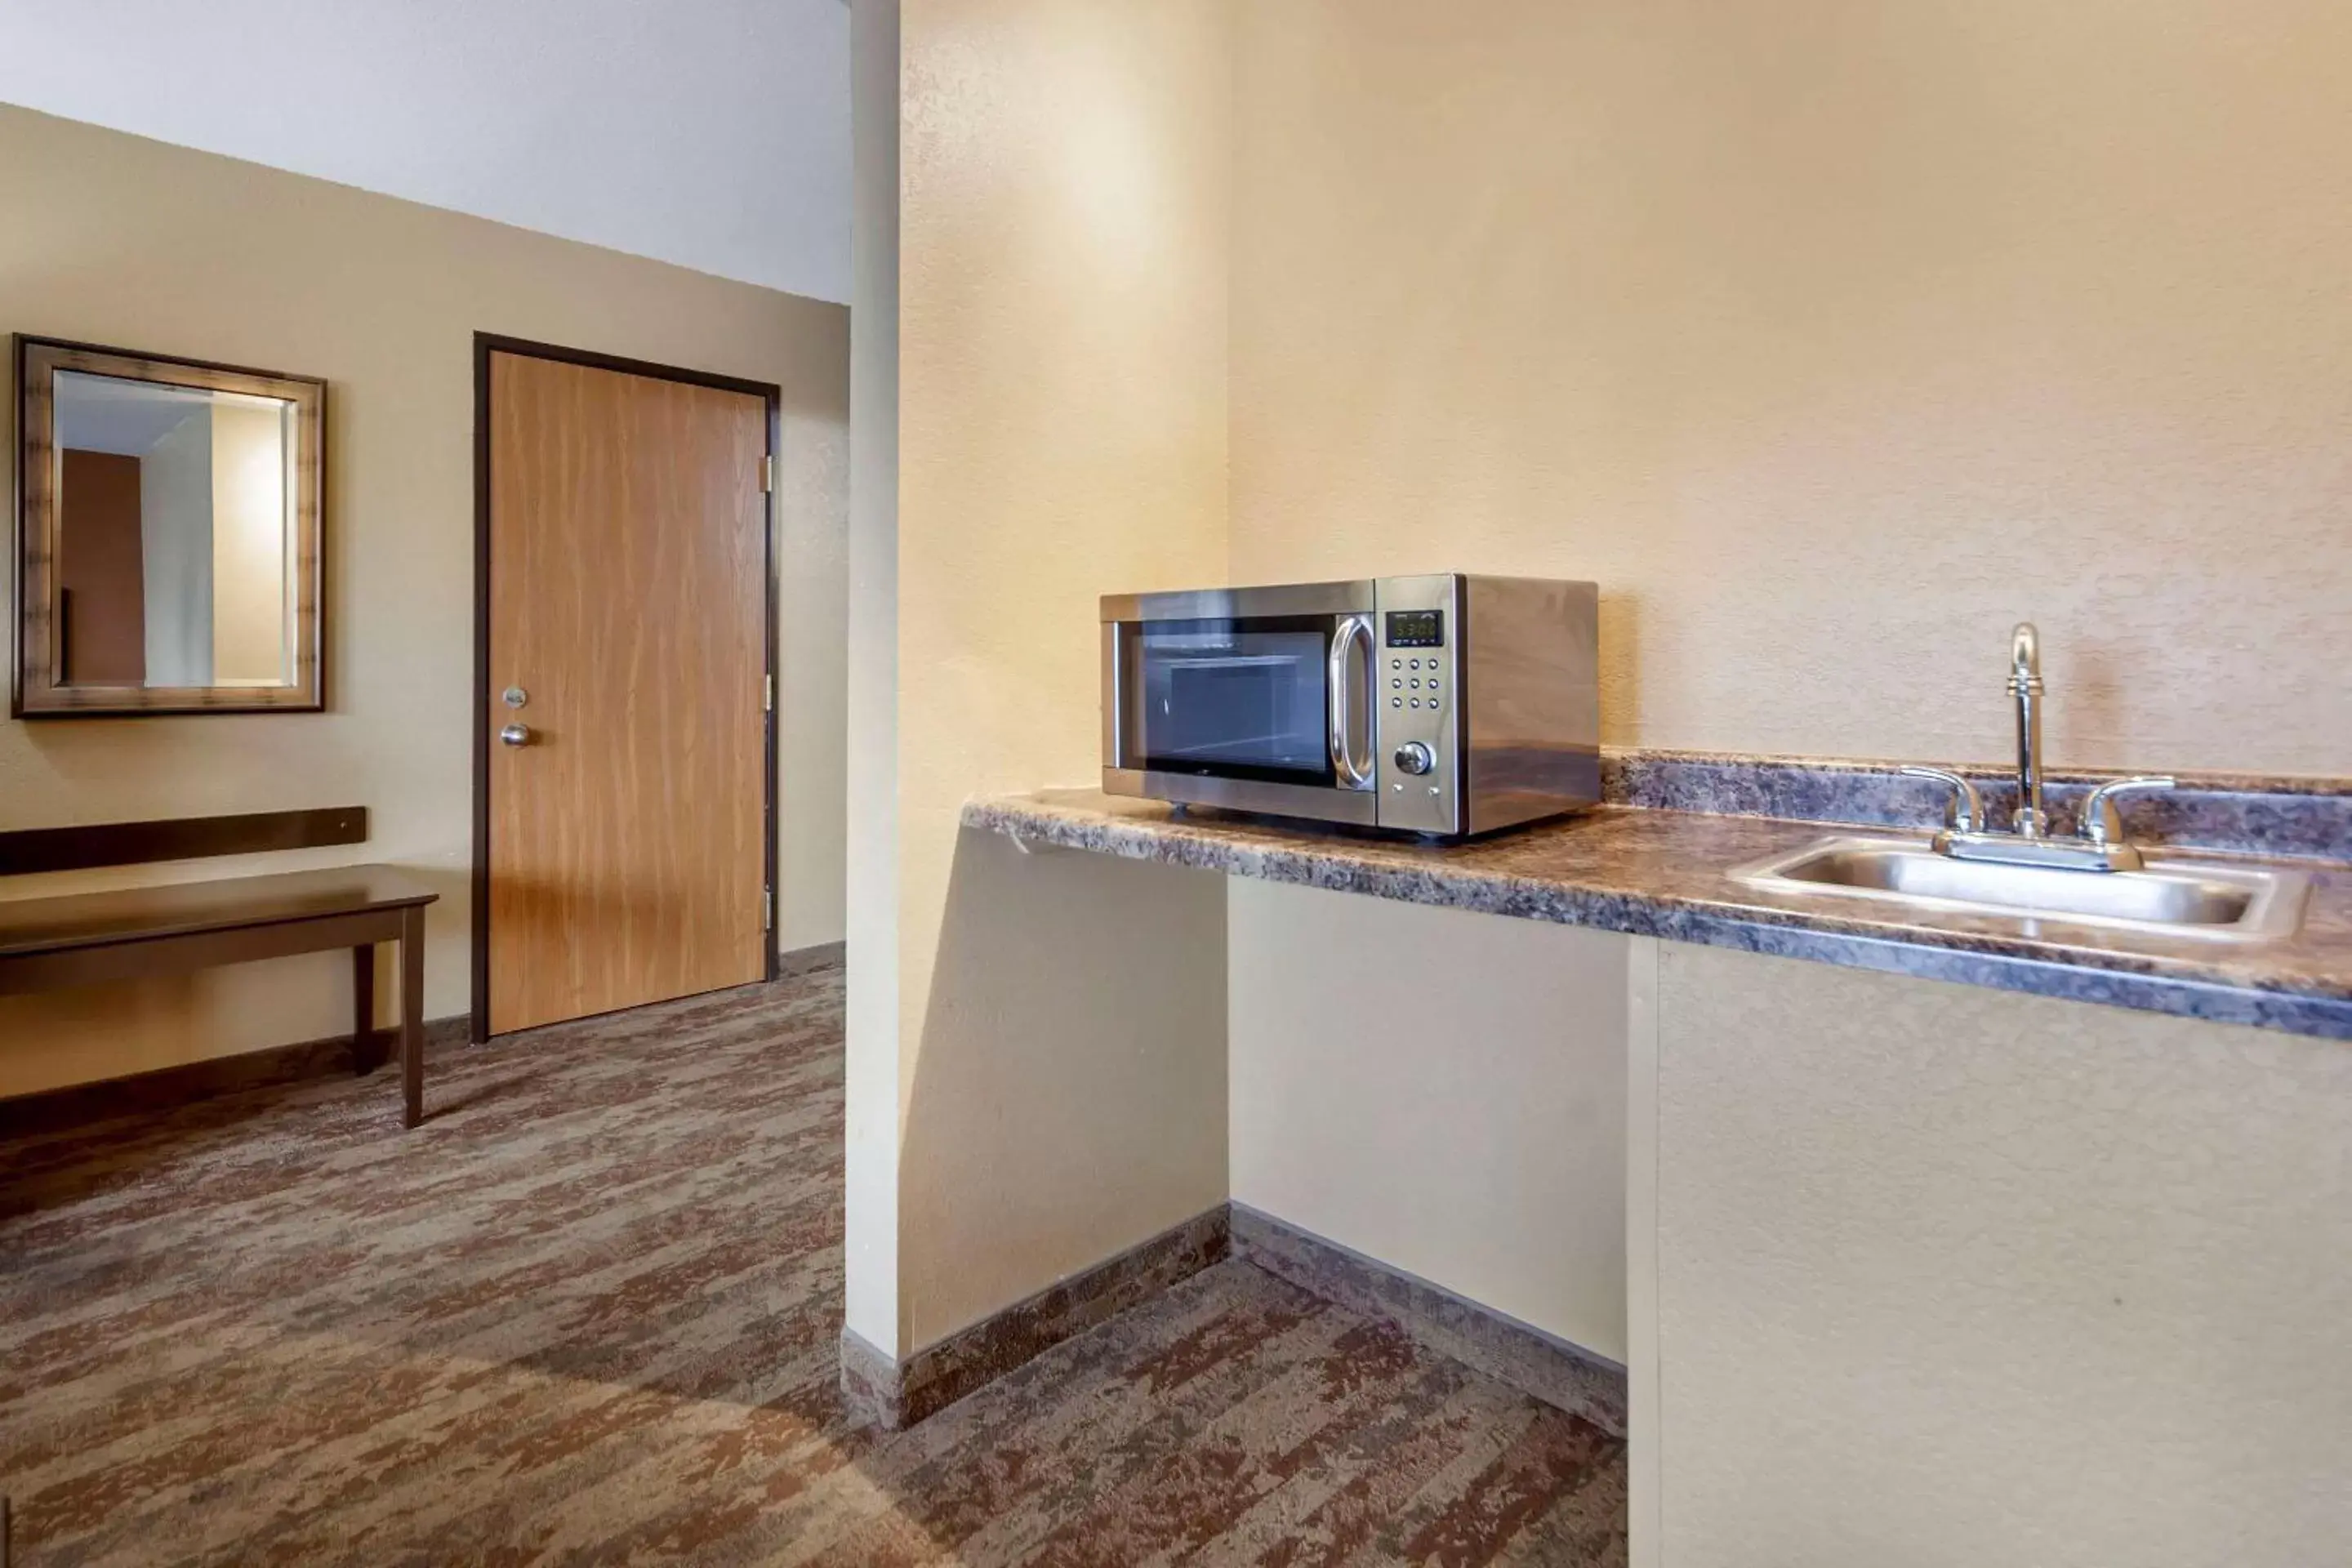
point(1414, 758)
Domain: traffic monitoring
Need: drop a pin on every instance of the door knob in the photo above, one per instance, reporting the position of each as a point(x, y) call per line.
point(516, 734)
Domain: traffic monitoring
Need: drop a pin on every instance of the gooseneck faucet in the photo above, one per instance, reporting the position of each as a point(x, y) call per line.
point(2099, 844)
point(2025, 688)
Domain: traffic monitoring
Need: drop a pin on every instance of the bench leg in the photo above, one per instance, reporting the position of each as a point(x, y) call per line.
point(412, 1015)
point(367, 1054)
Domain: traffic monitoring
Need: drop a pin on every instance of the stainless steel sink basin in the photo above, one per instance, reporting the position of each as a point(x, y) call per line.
point(2192, 898)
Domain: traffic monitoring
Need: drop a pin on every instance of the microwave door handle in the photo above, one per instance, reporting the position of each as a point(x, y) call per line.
point(1341, 685)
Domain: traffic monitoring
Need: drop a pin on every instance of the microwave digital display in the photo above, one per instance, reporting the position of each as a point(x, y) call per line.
point(1416, 628)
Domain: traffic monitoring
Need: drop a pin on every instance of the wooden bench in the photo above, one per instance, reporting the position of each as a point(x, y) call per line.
point(84, 938)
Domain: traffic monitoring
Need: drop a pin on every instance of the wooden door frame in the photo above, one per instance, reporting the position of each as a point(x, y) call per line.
point(485, 345)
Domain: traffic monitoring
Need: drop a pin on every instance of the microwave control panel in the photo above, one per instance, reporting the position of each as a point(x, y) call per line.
point(1414, 691)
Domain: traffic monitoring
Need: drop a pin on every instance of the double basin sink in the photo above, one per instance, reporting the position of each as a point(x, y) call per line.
point(2196, 900)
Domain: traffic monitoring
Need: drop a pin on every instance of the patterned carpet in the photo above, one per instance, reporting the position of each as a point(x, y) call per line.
point(588, 1313)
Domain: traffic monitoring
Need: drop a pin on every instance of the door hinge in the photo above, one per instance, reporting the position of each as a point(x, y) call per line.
point(767, 908)
point(767, 475)
point(767, 694)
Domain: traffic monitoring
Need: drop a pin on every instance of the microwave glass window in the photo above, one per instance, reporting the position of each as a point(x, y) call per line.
point(1234, 699)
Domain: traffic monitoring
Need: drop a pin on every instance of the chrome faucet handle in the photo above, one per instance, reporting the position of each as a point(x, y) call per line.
point(1965, 812)
point(2102, 823)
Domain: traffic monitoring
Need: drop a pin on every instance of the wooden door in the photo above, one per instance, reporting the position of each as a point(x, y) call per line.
point(101, 570)
point(627, 602)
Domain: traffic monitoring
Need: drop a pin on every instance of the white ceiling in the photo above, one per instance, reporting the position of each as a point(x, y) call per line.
point(101, 414)
point(712, 134)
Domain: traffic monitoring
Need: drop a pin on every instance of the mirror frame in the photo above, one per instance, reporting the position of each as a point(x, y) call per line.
point(36, 694)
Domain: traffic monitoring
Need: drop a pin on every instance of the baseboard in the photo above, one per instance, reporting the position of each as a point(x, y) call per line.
point(1540, 1364)
point(81, 1104)
point(884, 1392)
point(799, 961)
point(870, 1383)
point(891, 1393)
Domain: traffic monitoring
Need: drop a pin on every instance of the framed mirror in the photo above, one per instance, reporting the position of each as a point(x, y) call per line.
point(167, 534)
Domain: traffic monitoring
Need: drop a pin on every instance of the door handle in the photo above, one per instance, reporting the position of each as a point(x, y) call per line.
point(1345, 751)
point(516, 735)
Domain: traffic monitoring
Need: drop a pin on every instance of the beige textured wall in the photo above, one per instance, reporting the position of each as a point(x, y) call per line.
point(1063, 191)
point(1442, 1091)
point(113, 240)
point(249, 544)
point(1948, 1276)
point(1830, 337)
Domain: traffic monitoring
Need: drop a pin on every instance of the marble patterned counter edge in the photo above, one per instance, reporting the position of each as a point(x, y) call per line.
point(1660, 873)
point(2238, 813)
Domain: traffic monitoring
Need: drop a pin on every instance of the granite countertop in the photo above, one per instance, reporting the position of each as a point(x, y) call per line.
point(1653, 872)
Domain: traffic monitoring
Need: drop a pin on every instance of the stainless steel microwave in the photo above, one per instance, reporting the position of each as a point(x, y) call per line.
point(1445, 705)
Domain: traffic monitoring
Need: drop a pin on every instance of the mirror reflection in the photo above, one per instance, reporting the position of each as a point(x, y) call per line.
point(176, 544)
